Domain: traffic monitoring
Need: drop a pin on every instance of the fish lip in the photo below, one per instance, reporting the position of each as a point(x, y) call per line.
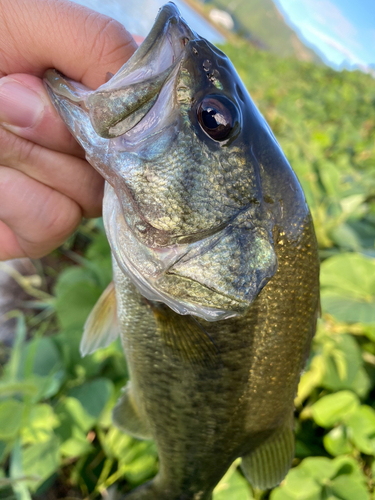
point(168, 17)
point(161, 51)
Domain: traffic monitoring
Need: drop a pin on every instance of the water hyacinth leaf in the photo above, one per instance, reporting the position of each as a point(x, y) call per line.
point(348, 287)
point(298, 485)
point(343, 360)
point(334, 408)
point(362, 383)
point(76, 446)
point(41, 357)
point(72, 414)
point(3, 449)
point(42, 420)
point(11, 412)
point(9, 388)
point(233, 486)
point(117, 444)
point(281, 494)
point(319, 468)
point(348, 488)
point(361, 425)
point(141, 468)
point(336, 442)
point(70, 277)
point(310, 379)
point(312, 478)
point(41, 460)
point(75, 303)
point(93, 396)
point(348, 466)
point(137, 459)
point(75, 423)
point(345, 237)
point(331, 177)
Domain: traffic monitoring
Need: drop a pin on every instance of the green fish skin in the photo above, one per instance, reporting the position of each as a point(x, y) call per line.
point(215, 263)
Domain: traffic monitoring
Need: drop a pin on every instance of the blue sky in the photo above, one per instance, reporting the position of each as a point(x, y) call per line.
point(343, 30)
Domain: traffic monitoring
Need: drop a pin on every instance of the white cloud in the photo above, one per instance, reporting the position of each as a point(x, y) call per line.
point(347, 54)
point(328, 14)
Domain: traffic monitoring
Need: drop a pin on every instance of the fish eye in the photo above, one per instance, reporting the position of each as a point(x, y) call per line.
point(217, 116)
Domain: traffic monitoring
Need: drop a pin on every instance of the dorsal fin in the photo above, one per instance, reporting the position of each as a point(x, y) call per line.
point(101, 326)
point(186, 337)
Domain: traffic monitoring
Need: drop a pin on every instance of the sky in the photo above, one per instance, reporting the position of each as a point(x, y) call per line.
point(342, 30)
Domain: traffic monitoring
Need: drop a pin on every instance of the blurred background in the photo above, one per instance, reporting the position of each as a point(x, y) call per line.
point(309, 65)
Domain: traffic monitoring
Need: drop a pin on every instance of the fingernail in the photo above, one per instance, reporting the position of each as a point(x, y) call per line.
point(19, 105)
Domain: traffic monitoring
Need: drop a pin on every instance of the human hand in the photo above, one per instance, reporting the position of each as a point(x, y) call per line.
point(46, 186)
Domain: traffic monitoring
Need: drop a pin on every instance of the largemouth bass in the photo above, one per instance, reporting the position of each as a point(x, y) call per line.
point(214, 259)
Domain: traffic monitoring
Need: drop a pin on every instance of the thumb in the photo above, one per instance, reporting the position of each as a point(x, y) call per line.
point(39, 34)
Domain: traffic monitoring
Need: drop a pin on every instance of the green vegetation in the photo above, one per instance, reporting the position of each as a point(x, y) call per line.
point(261, 23)
point(55, 426)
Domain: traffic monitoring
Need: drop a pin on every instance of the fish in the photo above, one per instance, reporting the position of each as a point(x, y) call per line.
point(215, 290)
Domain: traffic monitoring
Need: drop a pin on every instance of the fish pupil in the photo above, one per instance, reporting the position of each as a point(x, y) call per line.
point(211, 118)
point(217, 115)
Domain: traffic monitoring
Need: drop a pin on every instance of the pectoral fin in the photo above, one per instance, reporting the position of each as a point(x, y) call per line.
point(186, 338)
point(126, 415)
point(267, 466)
point(101, 326)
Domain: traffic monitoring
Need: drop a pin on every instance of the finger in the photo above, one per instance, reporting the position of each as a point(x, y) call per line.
point(34, 216)
point(71, 176)
point(26, 110)
point(9, 245)
point(77, 41)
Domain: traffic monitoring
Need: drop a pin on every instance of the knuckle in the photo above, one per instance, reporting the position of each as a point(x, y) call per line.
point(15, 150)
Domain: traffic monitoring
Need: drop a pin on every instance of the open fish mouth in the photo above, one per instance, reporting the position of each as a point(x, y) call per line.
point(119, 105)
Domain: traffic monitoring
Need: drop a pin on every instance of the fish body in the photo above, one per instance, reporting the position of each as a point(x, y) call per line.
point(214, 259)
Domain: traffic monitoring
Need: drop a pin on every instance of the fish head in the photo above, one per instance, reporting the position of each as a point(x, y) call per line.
point(189, 206)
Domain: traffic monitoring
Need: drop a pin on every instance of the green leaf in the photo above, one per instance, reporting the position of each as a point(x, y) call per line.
point(347, 466)
point(343, 360)
point(361, 384)
point(42, 356)
point(233, 486)
point(117, 444)
point(361, 426)
point(70, 277)
point(74, 305)
point(348, 287)
point(41, 460)
point(334, 408)
point(8, 388)
point(143, 466)
point(93, 396)
point(282, 494)
point(76, 446)
point(319, 468)
point(300, 485)
point(3, 449)
point(348, 488)
point(310, 379)
point(11, 413)
point(336, 442)
point(72, 415)
point(75, 423)
point(42, 421)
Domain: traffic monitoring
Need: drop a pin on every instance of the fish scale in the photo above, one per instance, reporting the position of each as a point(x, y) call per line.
point(215, 261)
